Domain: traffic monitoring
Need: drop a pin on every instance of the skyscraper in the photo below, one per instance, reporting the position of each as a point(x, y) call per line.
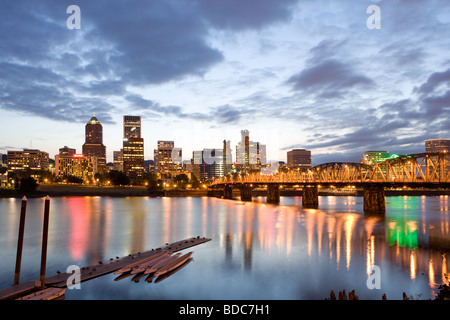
point(133, 147)
point(131, 126)
point(250, 155)
point(93, 146)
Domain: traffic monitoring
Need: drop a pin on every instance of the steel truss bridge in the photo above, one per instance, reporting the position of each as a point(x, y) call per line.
point(422, 170)
point(415, 169)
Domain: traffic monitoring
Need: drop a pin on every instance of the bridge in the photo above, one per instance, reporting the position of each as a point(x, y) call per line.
point(422, 170)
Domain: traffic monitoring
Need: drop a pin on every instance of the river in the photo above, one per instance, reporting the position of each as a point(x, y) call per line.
point(258, 251)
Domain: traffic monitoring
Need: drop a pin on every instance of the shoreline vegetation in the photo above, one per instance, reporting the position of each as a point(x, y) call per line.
point(69, 190)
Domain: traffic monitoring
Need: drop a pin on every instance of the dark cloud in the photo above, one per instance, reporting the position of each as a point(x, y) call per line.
point(225, 114)
point(243, 15)
point(329, 79)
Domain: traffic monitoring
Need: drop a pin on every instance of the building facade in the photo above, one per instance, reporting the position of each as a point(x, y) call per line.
point(93, 146)
point(31, 159)
point(118, 160)
point(133, 148)
point(77, 165)
point(373, 157)
point(299, 159)
point(437, 145)
point(250, 155)
point(440, 146)
point(208, 164)
point(168, 159)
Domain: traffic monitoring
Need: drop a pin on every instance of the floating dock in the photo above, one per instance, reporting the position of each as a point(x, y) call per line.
point(33, 289)
point(106, 267)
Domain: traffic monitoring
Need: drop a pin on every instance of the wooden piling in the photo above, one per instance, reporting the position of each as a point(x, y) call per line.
point(45, 240)
point(20, 240)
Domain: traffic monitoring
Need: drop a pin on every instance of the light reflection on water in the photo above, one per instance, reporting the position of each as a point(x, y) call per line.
point(257, 251)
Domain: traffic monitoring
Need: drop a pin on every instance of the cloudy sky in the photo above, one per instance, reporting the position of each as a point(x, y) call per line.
point(295, 73)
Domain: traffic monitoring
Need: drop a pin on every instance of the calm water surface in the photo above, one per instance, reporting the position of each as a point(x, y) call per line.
point(257, 251)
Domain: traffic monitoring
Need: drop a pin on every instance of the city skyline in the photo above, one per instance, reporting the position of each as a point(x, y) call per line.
point(296, 74)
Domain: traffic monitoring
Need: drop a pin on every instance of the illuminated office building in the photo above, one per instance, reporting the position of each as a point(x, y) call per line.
point(118, 160)
point(439, 145)
point(299, 159)
point(31, 159)
point(133, 147)
point(168, 159)
point(93, 146)
point(77, 165)
point(373, 157)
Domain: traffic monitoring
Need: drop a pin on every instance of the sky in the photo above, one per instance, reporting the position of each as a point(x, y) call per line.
point(295, 73)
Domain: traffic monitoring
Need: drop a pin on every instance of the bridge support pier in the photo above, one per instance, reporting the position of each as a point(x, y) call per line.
point(246, 193)
point(273, 194)
point(374, 200)
point(227, 192)
point(310, 197)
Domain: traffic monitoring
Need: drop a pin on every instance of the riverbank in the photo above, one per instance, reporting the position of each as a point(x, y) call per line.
point(66, 190)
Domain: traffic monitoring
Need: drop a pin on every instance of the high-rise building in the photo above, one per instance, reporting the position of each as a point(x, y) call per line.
point(168, 159)
point(31, 159)
point(133, 147)
point(250, 155)
point(131, 126)
point(227, 157)
point(93, 146)
point(299, 159)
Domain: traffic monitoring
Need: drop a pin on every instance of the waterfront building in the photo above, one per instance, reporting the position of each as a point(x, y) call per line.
point(439, 145)
point(133, 147)
point(227, 157)
point(77, 165)
point(93, 146)
point(250, 155)
point(208, 164)
point(168, 159)
point(373, 157)
point(31, 159)
point(299, 159)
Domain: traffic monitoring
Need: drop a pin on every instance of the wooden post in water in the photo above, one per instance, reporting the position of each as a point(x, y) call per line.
point(44, 240)
point(20, 240)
